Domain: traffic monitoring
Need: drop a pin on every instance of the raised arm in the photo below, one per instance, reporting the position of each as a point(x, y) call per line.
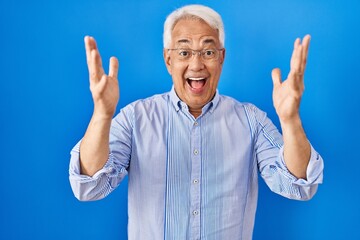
point(94, 148)
point(286, 97)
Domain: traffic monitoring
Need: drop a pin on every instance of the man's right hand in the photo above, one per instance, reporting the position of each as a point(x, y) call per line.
point(104, 88)
point(94, 147)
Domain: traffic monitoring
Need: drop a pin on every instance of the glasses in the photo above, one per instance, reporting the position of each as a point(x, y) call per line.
point(207, 55)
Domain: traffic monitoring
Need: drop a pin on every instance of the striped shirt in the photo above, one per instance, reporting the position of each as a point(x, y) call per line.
point(193, 178)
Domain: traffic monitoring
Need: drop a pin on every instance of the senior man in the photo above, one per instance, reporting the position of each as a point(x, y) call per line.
point(192, 155)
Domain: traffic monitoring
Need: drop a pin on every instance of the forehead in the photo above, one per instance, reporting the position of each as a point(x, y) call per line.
point(194, 32)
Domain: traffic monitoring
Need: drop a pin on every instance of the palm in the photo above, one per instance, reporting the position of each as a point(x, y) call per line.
point(287, 94)
point(104, 88)
point(106, 94)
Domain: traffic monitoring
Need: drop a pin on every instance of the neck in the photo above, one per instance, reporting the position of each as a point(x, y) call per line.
point(196, 112)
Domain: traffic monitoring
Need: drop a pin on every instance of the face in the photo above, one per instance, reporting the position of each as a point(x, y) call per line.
point(195, 81)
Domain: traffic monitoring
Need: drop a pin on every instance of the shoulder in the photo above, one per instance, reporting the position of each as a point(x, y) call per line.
point(229, 106)
point(157, 99)
point(230, 102)
point(145, 108)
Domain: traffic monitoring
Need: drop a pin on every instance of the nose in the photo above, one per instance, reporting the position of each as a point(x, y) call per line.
point(195, 63)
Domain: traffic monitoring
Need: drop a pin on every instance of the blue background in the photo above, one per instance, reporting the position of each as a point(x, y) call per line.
point(45, 105)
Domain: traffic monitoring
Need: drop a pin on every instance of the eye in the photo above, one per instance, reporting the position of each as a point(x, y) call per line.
point(209, 53)
point(184, 53)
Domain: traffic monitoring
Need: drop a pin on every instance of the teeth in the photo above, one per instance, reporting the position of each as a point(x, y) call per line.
point(196, 79)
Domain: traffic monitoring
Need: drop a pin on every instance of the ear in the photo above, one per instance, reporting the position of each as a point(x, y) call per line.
point(167, 60)
point(222, 56)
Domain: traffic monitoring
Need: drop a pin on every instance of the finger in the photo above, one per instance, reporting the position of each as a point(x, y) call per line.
point(305, 44)
point(297, 42)
point(295, 53)
point(296, 60)
point(87, 47)
point(88, 50)
point(95, 67)
point(92, 59)
point(276, 77)
point(90, 44)
point(113, 67)
point(102, 82)
point(98, 61)
point(296, 75)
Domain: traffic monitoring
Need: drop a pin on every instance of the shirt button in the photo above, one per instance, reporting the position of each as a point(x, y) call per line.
point(196, 152)
point(196, 181)
point(196, 123)
point(195, 212)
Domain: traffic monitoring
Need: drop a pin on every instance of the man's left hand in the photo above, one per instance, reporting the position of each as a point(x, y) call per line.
point(287, 94)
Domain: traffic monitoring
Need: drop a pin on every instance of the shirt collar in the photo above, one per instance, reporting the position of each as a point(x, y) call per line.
point(178, 104)
point(175, 100)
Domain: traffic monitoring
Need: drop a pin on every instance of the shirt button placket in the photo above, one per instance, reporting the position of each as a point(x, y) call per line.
point(196, 152)
point(195, 176)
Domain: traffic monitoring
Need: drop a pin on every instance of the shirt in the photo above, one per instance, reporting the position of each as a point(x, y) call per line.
point(193, 178)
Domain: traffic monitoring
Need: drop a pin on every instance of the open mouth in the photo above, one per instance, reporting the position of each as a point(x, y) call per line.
point(196, 83)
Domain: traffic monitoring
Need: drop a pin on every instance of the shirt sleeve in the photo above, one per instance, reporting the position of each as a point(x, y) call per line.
point(103, 182)
point(269, 153)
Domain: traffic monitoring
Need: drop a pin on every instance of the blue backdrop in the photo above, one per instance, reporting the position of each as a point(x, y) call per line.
point(45, 105)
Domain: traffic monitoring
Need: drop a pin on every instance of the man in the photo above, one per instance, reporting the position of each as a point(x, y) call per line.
point(192, 155)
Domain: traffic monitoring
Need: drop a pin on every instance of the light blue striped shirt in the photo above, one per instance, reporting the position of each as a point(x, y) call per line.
point(193, 178)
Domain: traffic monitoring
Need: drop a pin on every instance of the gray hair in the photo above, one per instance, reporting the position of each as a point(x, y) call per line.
point(204, 13)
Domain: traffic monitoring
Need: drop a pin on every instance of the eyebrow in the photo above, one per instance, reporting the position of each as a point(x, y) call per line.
point(209, 40)
point(206, 41)
point(183, 41)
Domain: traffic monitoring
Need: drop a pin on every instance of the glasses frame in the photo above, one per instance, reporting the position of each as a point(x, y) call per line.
point(199, 53)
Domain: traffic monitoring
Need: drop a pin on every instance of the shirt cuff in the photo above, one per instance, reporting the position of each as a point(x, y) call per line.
point(314, 171)
point(74, 169)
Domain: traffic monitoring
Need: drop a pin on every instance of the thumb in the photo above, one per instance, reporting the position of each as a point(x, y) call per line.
point(276, 77)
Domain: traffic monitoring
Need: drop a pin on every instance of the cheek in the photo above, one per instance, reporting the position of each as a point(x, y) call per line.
point(178, 72)
point(177, 77)
point(216, 75)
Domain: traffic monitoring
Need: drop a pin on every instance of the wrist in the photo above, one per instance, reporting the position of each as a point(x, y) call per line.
point(291, 124)
point(101, 117)
point(102, 114)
